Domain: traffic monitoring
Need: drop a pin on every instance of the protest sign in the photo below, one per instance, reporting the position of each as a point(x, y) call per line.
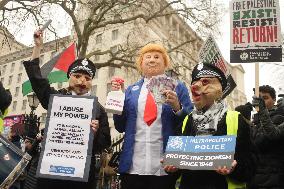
point(68, 142)
point(255, 31)
point(211, 54)
point(12, 162)
point(201, 152)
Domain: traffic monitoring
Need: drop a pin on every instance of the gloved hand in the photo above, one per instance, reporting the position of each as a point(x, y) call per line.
point(280, 103)
point(258, 101)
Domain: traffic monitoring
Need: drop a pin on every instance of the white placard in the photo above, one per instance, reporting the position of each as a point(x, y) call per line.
point(67, 146)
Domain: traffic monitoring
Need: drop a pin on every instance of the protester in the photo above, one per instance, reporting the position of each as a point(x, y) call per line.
point(6, 99)
point(211, 117)
point(145, 141)
point(268, 135)
point(80, 74)
point(245, 110)
point(31, 145)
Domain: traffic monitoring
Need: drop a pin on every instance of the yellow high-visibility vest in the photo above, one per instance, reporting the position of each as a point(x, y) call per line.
point(232, 120)
point(1, 120)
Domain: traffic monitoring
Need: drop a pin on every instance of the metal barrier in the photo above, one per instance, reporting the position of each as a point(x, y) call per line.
point(105, 180)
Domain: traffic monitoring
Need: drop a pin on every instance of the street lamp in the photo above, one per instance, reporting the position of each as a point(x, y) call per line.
point(32, 121)
point(33, 102)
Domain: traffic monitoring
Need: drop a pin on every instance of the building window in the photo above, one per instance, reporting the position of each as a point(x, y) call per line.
point(43, 117)
point(108, 88)
point(21, 66)
point(114, 49)
point(59, 85)
point(111, 71)
point(41, 60)
point(114, 35)
point(97, 74)
point(24, 105)
point(94, 90)
point(10, 80)
point(53, 54)
point(99, 38)
point(172, 73)
point(14, 105)
point(17, 91)
point(97, 57)
point(19, 77)
point(4, 69)
point(12, 67)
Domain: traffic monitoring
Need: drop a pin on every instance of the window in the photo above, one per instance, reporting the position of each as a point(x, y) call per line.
point(17, 91)
point(24, 105)
point(4, 69)
point(94, 90)
point(97, 57)
point(19, 77)
point(41, 60)
point(10, 80)
point(14, 105)
point(97, 74)
point(111, 71)
point(43, 117)
point(12, 67)
point(114, 34)
point(108, 88)
point(53, 54)
point(59, 85)
point(114, 49)
point(99, 38)
point(172, 73)
point(21, 66)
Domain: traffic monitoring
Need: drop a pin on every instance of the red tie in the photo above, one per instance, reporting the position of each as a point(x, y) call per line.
point(150, 112)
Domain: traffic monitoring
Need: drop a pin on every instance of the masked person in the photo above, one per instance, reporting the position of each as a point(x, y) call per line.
point(80, 74)
point(211, 117)
point(6, 99)
point(268, 136)
point(144, 141)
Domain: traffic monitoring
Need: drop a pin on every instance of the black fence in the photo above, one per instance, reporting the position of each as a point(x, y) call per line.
point(107, 177)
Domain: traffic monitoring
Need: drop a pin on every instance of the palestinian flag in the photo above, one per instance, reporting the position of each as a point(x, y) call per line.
point(55, 69)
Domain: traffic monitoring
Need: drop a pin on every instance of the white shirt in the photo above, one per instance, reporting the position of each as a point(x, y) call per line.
point(148, 146)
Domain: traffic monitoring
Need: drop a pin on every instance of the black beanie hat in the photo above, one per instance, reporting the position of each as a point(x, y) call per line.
point(245, 110)
point(85, 65)
point(205, 69)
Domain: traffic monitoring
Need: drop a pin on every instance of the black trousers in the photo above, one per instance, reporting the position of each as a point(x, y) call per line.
point(130, 181)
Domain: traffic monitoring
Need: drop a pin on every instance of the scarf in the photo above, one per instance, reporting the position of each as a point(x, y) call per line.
point(206, 122)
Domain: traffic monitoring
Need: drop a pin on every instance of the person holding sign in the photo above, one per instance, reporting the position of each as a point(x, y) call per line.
point(148, 124)
point(211, 117)
point(6, 99)
point(80, 74)
point(268, 136)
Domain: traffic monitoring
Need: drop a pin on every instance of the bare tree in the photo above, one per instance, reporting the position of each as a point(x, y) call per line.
point(89, 16)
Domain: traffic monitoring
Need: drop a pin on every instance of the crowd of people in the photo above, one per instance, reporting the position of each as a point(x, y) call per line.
point(258, 160)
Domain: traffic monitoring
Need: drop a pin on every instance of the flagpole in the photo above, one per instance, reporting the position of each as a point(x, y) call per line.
point(256, 82)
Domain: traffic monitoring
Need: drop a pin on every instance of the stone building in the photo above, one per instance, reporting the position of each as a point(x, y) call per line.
point(168, 30)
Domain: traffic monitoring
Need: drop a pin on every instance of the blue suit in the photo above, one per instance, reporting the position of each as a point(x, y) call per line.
point(126, 122)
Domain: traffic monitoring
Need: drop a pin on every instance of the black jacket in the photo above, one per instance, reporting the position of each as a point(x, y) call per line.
point(202, 179)
point(6, 98)
point(268, 136)
point(102, 138)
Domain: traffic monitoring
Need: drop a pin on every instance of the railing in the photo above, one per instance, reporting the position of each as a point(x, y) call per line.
point(108, 178)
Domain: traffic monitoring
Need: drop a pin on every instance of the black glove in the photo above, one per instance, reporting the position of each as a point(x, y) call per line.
point(280, 103)
point(258, 101)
